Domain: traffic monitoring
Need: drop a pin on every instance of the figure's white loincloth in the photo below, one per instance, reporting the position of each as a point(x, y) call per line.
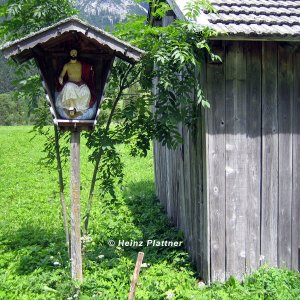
point(74, 96)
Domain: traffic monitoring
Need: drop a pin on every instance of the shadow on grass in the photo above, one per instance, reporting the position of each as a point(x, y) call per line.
point(35, 248)
point(148, 223)
point(150, 217)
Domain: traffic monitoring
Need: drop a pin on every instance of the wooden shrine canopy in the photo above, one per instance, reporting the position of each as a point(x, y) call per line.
point(50, 48)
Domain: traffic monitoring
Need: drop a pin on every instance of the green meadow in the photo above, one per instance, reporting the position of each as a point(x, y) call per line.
point(33, 257)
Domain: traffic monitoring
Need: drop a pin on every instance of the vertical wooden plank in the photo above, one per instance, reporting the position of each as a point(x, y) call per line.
point(285, 101)
point(160, 173)
point(181, 193)
point(163, 166)
point(76, 257)
point(156, 167)
point(168, 181)
point(176, 183)
point(296, 164)
point(204, 204)
point(253, 59)
point(171, 184)
point(269, 198)
point(194, 200)
point(187, 188)
point(216, 166)
point(157, 170)
point(236, 159)
point(167, 20)
point(200, 212)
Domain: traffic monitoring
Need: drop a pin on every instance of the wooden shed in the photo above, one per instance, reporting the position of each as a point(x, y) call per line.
point(50, 48)
point(233, 187)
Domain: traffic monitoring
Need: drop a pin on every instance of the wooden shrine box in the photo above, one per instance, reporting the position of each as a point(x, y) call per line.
point(50, 49)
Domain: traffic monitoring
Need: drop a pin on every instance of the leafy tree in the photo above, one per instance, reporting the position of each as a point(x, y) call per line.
point(22, 17)
point(173, 55)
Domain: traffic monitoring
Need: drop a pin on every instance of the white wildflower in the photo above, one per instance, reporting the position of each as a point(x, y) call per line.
point(86, 239)
point(262, 257)
point(170, 295)
point(56, 263)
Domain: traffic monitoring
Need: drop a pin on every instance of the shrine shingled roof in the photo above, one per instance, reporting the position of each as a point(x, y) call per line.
point(22, 49)
point(272, 19)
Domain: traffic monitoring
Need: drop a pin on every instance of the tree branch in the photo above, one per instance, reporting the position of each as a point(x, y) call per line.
point(123, 86)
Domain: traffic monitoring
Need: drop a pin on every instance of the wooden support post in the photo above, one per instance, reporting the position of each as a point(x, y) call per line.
point(135, 275)
point(76, 256)
point(299, 258)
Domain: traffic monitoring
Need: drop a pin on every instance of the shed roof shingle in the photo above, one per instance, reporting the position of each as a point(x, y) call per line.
point(252, 18)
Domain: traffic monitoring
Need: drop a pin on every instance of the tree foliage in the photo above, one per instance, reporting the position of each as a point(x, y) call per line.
point(173, 57)
point(22, 17)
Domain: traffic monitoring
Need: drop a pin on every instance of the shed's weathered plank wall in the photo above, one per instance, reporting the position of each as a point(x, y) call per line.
point(179, 182)
point(262, 205)
point(235, 191)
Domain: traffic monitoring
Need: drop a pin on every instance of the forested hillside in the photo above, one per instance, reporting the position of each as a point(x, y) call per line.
point(7, 75)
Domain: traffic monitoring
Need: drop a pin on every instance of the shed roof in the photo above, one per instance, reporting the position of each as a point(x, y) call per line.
point(250, 19)
point(21, 49)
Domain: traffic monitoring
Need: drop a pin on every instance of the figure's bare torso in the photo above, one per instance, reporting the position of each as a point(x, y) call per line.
point(74, 70)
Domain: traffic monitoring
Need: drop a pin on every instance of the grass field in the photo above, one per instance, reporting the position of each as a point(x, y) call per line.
point(33, 258)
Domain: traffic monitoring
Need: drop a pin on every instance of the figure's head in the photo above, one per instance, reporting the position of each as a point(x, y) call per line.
point(73, 53)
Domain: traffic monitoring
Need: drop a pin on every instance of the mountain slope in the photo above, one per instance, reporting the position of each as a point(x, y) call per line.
point(105, 13)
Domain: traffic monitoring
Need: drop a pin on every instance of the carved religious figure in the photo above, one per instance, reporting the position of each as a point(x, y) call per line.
point(75, 97)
